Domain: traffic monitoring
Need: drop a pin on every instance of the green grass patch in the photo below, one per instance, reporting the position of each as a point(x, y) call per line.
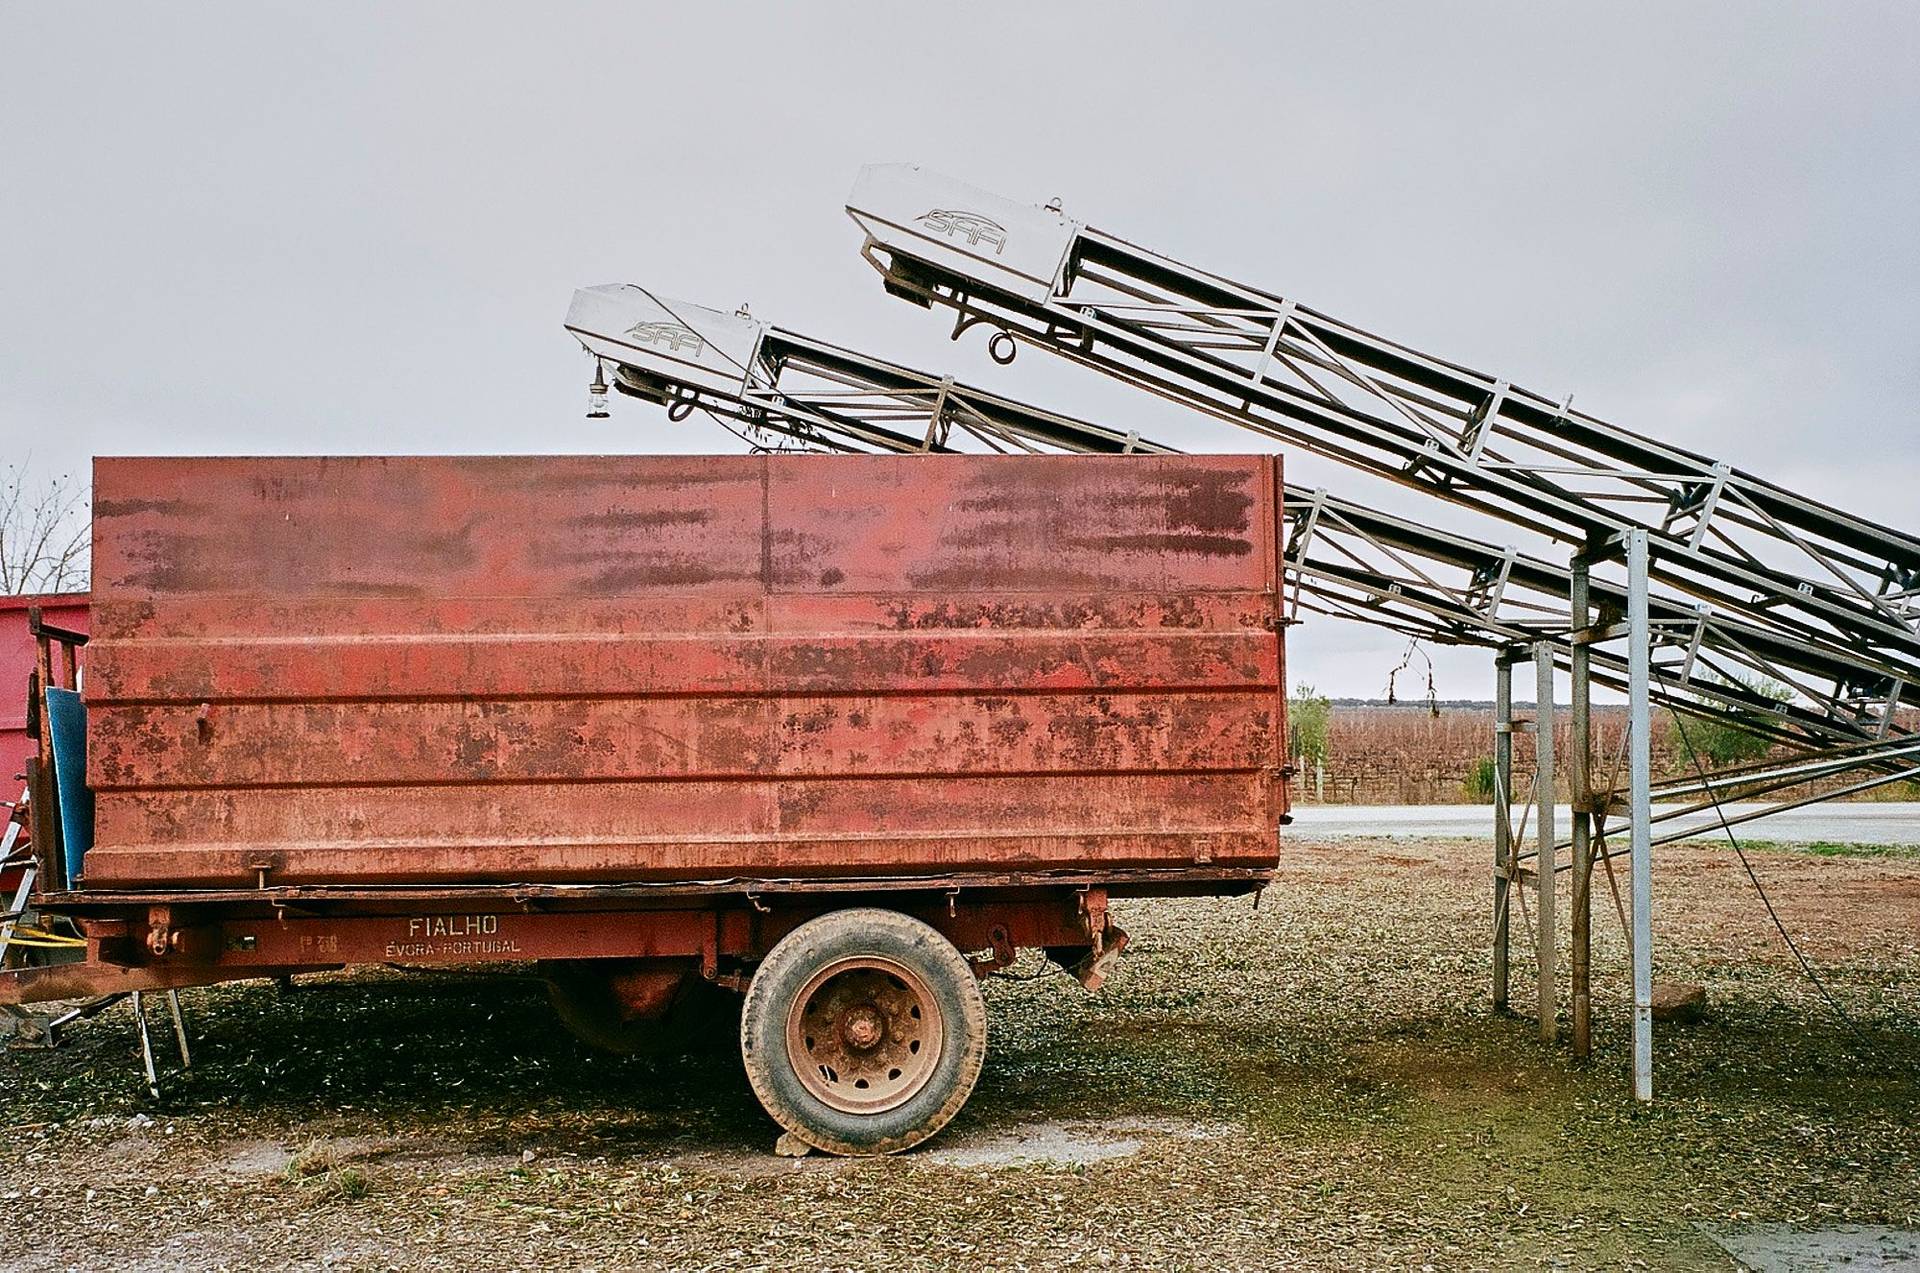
point(1850, 849)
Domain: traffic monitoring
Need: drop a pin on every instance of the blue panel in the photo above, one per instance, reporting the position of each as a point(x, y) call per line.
point(67, 717)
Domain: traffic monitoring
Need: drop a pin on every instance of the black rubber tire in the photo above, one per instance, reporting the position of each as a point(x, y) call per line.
point(786, 970)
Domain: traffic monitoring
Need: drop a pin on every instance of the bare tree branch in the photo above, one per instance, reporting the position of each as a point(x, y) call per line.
point(45, 533)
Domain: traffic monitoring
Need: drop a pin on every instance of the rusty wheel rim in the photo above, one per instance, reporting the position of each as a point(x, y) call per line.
point(864, 1034)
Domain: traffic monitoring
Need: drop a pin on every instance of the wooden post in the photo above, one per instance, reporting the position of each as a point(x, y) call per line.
point(45, 797)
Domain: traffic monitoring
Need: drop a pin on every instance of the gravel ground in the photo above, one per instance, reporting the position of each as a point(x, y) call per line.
point(1313, 1083)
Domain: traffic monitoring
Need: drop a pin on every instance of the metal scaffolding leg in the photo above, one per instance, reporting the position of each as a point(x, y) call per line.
point(1640, 783)
point(17, 906)
point(1580, 789)
point(1502, 822)
point(1545, 863)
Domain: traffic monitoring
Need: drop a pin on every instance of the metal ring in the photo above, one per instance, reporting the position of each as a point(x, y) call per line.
point(1002, 347)
point(865, 1034)
point(681, 408)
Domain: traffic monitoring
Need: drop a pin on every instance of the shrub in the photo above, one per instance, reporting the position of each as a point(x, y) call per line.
point(1726, 740)
point(1308, 717)
point(1481, 782)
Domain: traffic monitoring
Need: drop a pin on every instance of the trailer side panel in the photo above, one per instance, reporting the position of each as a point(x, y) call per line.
point(643, 668)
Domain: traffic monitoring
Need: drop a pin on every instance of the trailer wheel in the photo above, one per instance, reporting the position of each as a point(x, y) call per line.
point(863, 1032)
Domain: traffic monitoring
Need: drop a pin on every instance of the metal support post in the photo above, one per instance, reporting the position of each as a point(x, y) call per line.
point(1544, 862)
point(1640, 783)
point(49, 1031)
point(1580, 788)
point(179, 1029)
point(1502, 821)
point(146, 1044)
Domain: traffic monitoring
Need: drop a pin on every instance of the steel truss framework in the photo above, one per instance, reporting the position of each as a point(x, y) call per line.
point(1766, 585)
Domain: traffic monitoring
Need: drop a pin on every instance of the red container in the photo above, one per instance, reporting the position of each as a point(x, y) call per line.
point(388, 671)
point(61, 609)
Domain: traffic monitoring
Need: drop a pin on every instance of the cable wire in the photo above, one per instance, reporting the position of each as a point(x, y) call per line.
point(1693, 758)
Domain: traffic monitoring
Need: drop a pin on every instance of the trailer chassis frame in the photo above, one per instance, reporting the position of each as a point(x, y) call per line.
point(161, 939)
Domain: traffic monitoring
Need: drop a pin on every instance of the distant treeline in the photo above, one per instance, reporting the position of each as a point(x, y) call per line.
point(1373, 752)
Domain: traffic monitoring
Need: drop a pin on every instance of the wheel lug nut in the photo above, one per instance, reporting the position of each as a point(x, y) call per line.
point(862, 1028)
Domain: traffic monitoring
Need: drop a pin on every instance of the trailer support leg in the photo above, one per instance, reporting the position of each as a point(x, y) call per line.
point(146, 1044)
point(179, 1028)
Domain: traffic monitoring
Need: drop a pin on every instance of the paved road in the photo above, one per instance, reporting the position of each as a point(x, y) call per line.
point(1847, 823)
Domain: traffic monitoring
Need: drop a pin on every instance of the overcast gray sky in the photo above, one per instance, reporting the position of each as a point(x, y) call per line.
point(355, 228)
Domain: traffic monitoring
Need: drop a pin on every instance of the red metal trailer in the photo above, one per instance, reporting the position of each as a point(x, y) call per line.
point(63, 609)
point(18, 613)
point(845, 733)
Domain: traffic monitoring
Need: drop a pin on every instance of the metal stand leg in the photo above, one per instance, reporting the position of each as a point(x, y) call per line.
point(146, 1044)
point(1502, 822)
point(179, 1028)
point(1640, 782)
point(1580, 785)
point(82, 1013)
point(1544, 862)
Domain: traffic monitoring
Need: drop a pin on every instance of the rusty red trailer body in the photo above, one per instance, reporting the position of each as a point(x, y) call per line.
point(843, 732)
point(506, 670)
